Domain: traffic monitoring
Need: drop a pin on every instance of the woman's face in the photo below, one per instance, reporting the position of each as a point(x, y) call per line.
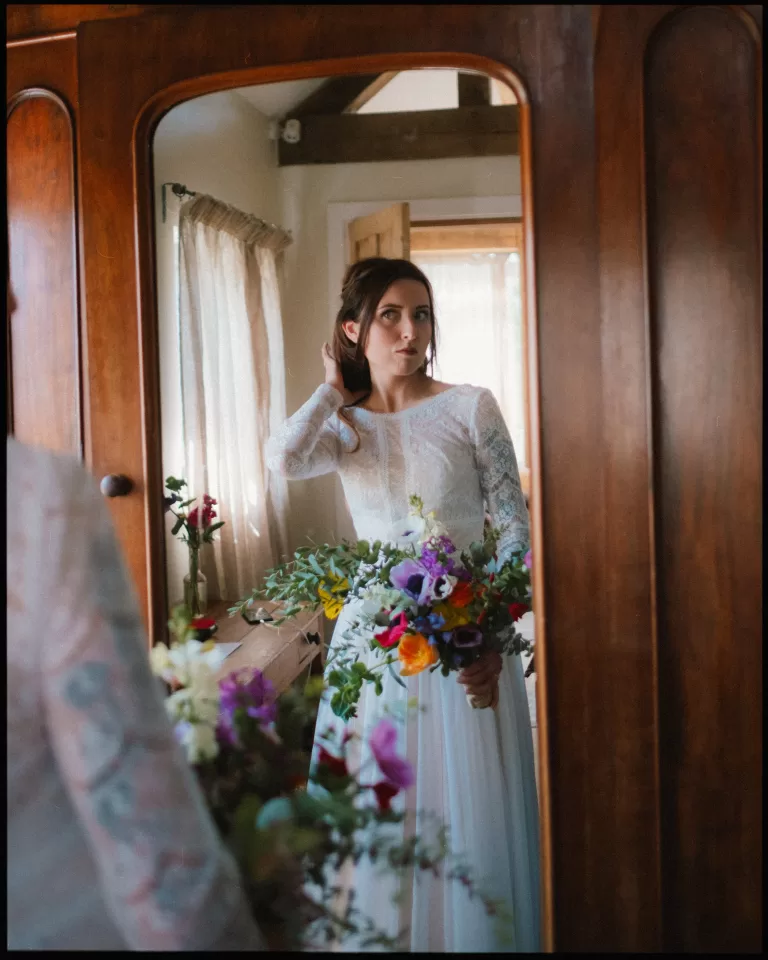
point(400, 332)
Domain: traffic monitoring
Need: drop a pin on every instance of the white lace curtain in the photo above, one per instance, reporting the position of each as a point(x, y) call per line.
point(479, 317)
point(232, 385)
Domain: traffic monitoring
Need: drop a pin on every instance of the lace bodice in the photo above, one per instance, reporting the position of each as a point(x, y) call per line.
point(453, 450)
point(110, 844)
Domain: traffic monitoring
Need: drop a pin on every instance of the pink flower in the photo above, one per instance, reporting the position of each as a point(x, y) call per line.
point(396, 769)
point(527, 560)
point(392, 636)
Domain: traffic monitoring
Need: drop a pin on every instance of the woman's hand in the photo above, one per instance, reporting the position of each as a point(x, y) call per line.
point(334, 378)
point(481, 679)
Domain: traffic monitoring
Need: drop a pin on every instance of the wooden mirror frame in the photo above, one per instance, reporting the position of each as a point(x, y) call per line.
point(151, 114)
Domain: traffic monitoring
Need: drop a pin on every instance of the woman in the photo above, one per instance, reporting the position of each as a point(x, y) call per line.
point(391, 431)
point(110, 845)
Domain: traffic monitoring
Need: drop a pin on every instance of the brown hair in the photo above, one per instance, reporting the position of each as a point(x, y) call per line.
point(365, 283)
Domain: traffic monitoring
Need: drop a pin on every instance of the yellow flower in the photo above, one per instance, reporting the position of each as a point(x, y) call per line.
point(453, 616)
point(415, 654)
point(332, 602)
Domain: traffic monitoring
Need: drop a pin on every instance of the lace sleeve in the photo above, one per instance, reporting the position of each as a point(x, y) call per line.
point(499, 476)
point(307, 445)
point(165, 874)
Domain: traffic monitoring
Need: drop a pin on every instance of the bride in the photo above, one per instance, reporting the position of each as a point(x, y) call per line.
point(391, 430)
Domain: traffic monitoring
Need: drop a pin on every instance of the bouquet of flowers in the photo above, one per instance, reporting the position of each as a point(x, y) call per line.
point(196, 527)
point(285, 824)
point(422, 604)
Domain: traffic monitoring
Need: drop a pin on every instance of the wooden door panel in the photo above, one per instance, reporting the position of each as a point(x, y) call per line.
point(679, 179)
point(44, 359)
point(134, 70)
point(385, 233)
point(56, 414)
point(703, 189)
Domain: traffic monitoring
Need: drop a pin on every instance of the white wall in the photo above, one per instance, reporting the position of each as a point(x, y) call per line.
point(218, 145)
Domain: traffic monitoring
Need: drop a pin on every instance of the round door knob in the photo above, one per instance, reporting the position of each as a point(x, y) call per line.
point(116, 485)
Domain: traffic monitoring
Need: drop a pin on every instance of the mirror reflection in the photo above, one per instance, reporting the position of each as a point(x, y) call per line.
point(379, 215)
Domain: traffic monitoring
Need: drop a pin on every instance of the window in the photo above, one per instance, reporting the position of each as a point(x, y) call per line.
point(475, 268)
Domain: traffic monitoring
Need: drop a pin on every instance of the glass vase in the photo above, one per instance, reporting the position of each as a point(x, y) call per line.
point(195, 587)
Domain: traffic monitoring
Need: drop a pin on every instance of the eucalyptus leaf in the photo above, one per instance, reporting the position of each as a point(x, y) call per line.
point(398, 679)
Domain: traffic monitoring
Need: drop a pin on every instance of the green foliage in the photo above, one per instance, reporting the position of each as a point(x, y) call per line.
point(175, 485)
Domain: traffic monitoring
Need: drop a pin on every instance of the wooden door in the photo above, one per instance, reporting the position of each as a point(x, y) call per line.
point(642, 269)
point(385, 233)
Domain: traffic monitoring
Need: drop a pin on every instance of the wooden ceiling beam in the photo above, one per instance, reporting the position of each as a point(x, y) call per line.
point(369, 92)
point(474, 90)
point(415, 135)
point(339, 95)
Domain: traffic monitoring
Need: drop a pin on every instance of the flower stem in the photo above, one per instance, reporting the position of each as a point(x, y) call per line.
point(194, 586)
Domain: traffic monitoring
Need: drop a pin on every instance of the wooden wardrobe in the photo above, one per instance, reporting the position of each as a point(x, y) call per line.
point(642, 170)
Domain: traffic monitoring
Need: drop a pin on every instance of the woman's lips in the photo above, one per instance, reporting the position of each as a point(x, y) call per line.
point(409, 352)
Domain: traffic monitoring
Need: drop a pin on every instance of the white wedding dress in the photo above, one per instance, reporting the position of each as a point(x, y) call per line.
point(474, 769)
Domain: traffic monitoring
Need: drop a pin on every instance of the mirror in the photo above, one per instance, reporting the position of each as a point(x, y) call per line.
point(289, 183)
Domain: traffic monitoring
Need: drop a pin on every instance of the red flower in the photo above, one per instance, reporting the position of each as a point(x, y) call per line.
point(208, 500)
point(384, 792)
point(192, 519)
point(202, 623)
point(392, 636)
point(517, 610)
point(337, 765)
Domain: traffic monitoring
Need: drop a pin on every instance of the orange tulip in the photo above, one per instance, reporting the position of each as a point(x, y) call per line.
point(415, 654)
point(462, 595)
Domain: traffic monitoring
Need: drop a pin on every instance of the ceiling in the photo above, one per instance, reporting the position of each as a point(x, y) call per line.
point(275, 100)
point(408, 90)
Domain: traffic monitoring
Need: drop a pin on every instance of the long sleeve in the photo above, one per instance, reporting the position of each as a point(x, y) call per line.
point(499, 475)
point(307, 445)
point(165, 874)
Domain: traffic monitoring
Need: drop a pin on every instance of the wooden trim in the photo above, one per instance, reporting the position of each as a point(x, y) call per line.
point(29, 41)
point(413, 135)
point(41, 20)
point(477, 236)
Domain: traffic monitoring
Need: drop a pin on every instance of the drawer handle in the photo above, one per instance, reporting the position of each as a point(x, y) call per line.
point(116, 485)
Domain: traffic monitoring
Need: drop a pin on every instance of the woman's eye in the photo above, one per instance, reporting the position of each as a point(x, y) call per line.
point(422, 315)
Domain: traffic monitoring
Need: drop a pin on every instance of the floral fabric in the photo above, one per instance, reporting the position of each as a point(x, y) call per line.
point(110, 845)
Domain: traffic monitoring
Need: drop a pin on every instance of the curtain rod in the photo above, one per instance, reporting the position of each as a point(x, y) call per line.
point(179, 189)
